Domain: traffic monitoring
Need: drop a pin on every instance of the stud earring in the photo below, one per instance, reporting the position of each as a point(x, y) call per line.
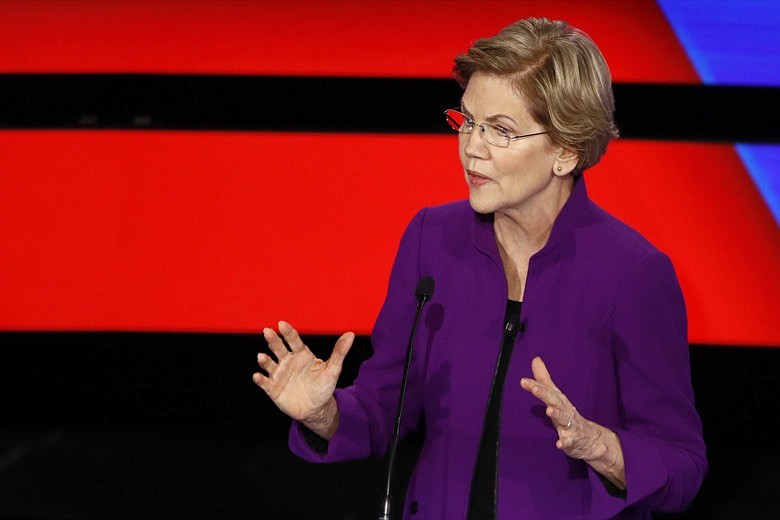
point(558, 168)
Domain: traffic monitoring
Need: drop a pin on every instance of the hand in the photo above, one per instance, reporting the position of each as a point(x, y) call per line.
point(298, 382)
point(578, 437)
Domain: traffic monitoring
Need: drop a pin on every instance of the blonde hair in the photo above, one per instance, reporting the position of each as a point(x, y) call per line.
point(560, 73)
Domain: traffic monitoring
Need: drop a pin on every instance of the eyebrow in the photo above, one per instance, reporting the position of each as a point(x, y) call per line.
point(491, 119)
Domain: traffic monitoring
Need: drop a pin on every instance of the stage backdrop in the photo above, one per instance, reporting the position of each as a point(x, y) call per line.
point(218, 166)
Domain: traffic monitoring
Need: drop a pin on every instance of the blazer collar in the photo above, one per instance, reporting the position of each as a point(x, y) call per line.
point(570, 217)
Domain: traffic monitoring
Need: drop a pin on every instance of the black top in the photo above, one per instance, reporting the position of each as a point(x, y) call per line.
point(482, 497)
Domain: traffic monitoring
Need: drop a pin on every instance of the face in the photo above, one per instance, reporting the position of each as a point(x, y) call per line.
point(522, 178)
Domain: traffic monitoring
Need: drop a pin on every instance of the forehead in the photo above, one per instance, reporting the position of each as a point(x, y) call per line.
point(488, 95)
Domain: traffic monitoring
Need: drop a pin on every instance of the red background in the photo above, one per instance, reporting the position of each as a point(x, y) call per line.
point(231, 231)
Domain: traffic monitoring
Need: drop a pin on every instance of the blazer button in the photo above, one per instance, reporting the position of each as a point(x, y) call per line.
point(413, 507)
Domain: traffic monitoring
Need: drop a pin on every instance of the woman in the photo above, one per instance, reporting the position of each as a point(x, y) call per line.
point(538, 292)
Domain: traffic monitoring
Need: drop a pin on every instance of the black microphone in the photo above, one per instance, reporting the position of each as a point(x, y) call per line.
point(424, 289)
point(423, 293)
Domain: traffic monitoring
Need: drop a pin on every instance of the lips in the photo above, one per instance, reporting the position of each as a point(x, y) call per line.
point(476, 179)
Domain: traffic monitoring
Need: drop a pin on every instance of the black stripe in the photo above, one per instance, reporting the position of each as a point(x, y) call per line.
point(330, 104)
point(95, 424)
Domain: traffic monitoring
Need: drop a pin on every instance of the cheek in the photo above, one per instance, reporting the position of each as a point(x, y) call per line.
point(462, 153)
point(526, 164)
point(509, 167)
point(519, 171)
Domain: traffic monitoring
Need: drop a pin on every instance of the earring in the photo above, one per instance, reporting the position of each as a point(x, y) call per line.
point(558, 168)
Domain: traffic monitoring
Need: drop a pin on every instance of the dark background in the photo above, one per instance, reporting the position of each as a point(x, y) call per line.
point(139, 425)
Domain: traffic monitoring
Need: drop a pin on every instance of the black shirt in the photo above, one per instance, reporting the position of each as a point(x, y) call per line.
point(482, 497)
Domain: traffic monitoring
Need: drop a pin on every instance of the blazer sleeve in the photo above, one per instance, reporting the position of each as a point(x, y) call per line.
point(661, 437)
point(367, 408)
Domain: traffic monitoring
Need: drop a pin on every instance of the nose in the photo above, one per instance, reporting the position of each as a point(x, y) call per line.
point(475, 145)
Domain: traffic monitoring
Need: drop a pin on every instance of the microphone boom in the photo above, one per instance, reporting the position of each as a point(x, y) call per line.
point(423, 293)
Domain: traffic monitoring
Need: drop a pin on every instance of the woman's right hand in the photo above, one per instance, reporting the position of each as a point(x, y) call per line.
point(298, 382)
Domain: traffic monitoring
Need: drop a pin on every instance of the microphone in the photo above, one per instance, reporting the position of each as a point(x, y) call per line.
point(423, 293)
point(424, 288)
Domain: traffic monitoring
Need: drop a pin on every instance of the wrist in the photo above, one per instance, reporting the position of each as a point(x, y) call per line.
point(607, 458)
point(324, 422)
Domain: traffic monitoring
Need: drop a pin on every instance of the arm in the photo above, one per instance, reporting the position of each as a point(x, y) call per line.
point(656, 454)
point(367, 408)
point(661, 432)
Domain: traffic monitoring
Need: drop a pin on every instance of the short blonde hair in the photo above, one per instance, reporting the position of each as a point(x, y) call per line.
point(562, 75)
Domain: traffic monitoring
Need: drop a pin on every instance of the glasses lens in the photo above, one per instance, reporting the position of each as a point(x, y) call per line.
point(455, 119)
point(495, 135)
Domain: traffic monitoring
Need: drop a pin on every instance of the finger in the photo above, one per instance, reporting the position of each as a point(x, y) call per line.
point(275, 343)
point(291, 336)
point(540, 372)
point(565, 444)
point(261, 380)
point(340, 350)
point(528, 384)
point(546, 393)
point(267, 363)
point(537, 390)
point(560, 419)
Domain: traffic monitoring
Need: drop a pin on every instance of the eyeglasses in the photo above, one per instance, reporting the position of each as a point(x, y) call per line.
point(495, 135)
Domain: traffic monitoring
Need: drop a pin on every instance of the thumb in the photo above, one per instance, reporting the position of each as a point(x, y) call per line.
point(340, 350)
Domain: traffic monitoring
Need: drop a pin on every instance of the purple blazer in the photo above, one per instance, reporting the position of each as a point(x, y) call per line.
point(603, 309)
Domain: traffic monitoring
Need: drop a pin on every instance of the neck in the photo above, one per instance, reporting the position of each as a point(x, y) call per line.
point(524, 231)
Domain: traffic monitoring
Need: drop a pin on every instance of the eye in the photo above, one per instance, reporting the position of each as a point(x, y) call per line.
point(504, 131)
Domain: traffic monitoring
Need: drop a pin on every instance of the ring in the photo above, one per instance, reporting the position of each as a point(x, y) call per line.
point(568, 425)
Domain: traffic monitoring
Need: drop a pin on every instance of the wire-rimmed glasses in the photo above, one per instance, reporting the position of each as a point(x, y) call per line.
point(495, 135)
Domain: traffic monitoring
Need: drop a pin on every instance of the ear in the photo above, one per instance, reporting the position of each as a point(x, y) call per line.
point(565, 163)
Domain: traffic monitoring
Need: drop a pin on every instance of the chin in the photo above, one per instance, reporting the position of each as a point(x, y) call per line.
point(480, 206)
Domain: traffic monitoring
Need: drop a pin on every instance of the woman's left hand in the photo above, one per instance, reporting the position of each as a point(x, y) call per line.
point(578, 437)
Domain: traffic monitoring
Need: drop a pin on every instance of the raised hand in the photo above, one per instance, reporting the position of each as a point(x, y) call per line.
point(298, 382)
point(578, 437)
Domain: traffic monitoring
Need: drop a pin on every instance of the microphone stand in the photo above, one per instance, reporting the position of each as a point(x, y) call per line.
point(422, 297)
